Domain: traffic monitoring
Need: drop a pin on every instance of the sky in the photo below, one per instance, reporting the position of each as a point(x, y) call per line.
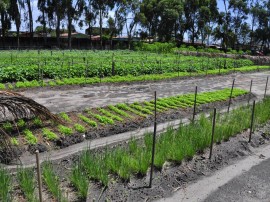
point(78, 29)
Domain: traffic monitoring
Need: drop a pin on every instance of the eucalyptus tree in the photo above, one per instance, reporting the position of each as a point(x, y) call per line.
point(28, 15)
point(128, 12)
point(169, 13)
point(4, 19)
point(191, 9)
point(43, 17)
point(239, 14)
point(73, 11)
point(262, 33)
point(14, 11)
point(208, 15)
point(150, 16)
point(56, 14)
point(102, 7)
point(90, 15)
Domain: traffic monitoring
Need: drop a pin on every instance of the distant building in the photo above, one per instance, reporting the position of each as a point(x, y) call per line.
point(75, 35)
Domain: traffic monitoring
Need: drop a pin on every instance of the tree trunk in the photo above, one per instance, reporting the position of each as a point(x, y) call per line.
point(44, 28)
point(18, 24)
point(58, 31)
point(69, 30)
point(3, 19)
point(90, 33)
point(100, 27)
point(30, 15)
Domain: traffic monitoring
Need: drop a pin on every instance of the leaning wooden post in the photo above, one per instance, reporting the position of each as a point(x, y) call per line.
point(39, 176)
point(154, 142)
point(195, 103)
point(252, 121)
point(213, 133)
point(230, 100)
point(266, 86)
point(250, 89)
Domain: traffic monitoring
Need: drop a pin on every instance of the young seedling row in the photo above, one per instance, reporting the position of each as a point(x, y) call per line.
point(35, 131)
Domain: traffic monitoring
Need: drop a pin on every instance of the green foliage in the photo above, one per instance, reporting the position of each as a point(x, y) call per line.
point(79, 180)
point(109, 114)
point(14, 141)
point(127, 108)
point(65, 130)
point(5, 185)
point(7, 126)
point(118, 111)
point(95, 167)
point(37, 122)
point(101, 119)
point(21, 123)
point(87, 120)
point(2, 86)
point(142, 65)
point(64, 116)
point(26, 181)
point(31, 139)
point(172, 145)
point(49, 134)
point(52, 182)
point(79, 128)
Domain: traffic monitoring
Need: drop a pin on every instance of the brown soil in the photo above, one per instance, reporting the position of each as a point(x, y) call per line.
point(107, 130)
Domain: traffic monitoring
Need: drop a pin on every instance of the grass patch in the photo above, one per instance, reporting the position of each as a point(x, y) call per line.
point(26, 181)
point(5, 185)
point(52, 182)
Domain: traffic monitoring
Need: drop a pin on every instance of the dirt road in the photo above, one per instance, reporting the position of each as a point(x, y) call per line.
point(246, 180)
point(79, 98)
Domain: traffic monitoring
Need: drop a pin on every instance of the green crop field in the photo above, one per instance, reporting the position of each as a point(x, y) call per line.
point(37, 66)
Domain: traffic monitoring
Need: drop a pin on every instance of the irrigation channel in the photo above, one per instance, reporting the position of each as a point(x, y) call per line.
point(78, 98)
point(134, 92)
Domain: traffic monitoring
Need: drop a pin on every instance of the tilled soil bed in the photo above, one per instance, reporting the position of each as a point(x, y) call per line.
point(117, 128)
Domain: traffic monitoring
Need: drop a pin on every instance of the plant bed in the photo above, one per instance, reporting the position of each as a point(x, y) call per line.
point(173, 174)
point(71, 83)
point(110, 120)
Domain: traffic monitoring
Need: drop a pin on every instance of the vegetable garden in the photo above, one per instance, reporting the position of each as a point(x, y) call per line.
point(20, 69)
point(100, 169)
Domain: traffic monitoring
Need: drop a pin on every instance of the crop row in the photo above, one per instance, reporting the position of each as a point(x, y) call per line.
point(135, 158)
point(109, 115)
point(128, 78)
point(21, 68)
point(173, 145)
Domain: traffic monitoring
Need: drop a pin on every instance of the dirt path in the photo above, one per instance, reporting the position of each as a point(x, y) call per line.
point(79, 98)
point(246, 180)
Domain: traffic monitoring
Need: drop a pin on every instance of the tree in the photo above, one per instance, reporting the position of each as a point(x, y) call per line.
point(169, 12)
point(208, 14)
point(239, 11)
point(149, 16)
point(15, 15)
point(128, 12)
point(43, 7)
point(73, 10)
point(90, 15)
point(55, 11)
point(102, 7)
point(27, 6)
point(5, 19)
